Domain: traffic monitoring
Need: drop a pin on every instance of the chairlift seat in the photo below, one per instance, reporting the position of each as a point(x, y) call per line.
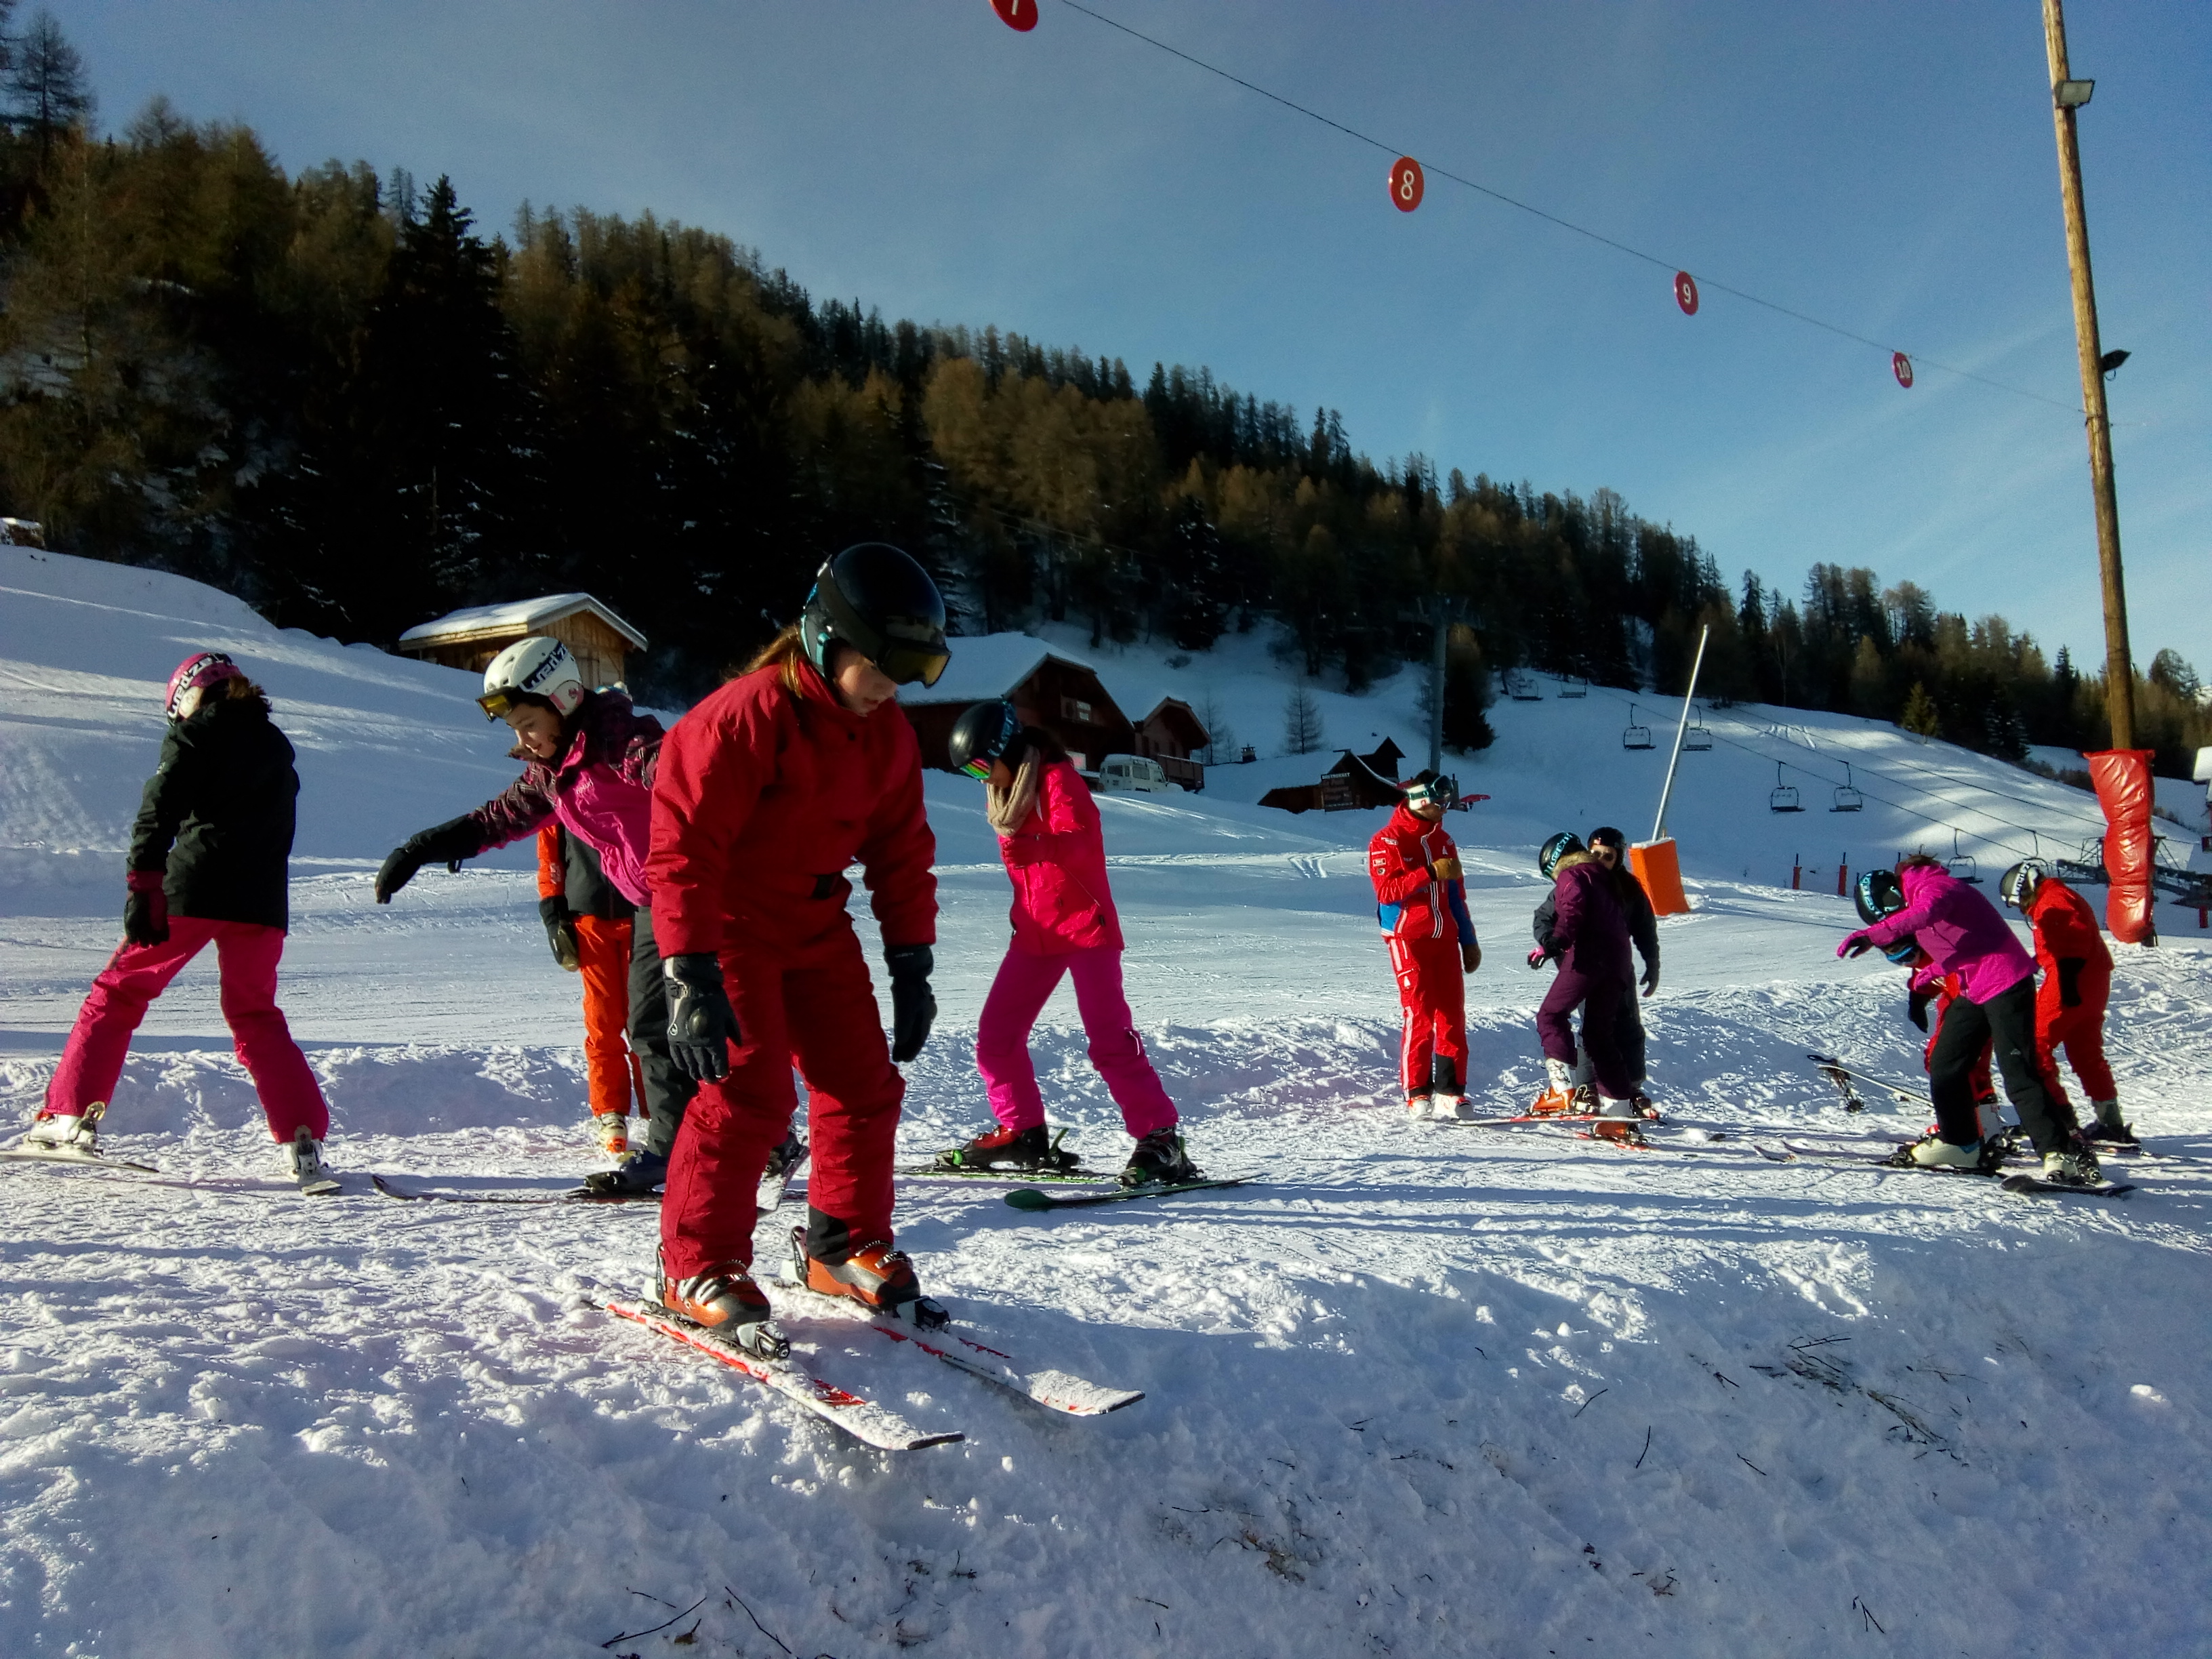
point(1783, 799)
point(1848, 800)
point(1963, 868)
point(1636, 737)
point(1521, 686)
point(1574, 685)
point(1696, 737)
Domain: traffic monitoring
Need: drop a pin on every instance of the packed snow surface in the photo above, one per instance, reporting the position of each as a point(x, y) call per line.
point(1418, 1389)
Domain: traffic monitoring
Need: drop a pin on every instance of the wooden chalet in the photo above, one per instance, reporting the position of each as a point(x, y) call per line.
point(1354, 782)
point(1171, 734)
point(599, 641)
point(1047, 687)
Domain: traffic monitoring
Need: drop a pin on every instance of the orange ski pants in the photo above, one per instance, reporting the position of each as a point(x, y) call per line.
point(603, 949)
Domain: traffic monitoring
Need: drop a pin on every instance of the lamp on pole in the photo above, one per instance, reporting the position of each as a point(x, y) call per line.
point(2067, 97)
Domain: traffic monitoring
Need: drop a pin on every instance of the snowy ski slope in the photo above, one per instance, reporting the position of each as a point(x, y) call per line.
point(1425, 1390)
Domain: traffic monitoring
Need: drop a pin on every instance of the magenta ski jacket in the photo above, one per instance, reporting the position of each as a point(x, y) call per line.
point(1961, 931)
point(1057, 860)
point(600, 789)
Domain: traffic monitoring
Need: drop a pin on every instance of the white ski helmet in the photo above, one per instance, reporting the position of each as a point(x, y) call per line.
point(535, 667)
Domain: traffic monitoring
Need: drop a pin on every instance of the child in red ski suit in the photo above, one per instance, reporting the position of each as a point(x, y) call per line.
point(1926, 986)
point(1420, 900)
point(587, 922)
point(1065, 924)
point(769, 789)
point(208, 865)
point(2069, 1003)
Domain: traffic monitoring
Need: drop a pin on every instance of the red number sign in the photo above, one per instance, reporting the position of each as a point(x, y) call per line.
point(1686, 293)
point(1901, 365)
point(1406, 184)
point(1016, 14)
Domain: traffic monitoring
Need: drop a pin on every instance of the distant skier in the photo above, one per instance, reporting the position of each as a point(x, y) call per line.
point(208, 865)
point(588, 924)
point(589, 765)
point(1065, 924)
point(1420, 900)
point(1609, 846)
point(1962, 934)
point(769, 789)
point(1588, 939)
point(2077, 984)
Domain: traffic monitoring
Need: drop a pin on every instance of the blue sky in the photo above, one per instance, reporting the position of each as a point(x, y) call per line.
point(1887, 166)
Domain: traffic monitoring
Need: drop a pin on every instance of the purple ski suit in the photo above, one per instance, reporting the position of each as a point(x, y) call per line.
point(1591, 934)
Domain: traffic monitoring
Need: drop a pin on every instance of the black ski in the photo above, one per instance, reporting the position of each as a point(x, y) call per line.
point(2028, 1183)
point(1029, 1198)
point(574, 1196)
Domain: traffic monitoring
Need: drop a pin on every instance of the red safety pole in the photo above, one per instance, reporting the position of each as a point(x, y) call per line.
point(1843, 876)
point(1796, 872)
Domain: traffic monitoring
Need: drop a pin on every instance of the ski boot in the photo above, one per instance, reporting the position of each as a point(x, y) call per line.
point(1445, 1094)
point(638, 1176)
point(724, 1302)
point(70, 1137)
point(790, 1152)
point(611, 1130)
point(1644, 1108)
point(1417, 1106)
point(1159, 1159)
point(876, 1276)
point(1565, 1097)
point(1934, 1152)
point(2073, 1165)
point(1031, 1151)
point(2110, 1128)
point(1618, 1121)
point(303, 1162)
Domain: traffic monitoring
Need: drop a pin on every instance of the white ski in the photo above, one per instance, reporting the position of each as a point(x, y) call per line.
point(57, 1155)
point(864, 1419)
point(1055, 1390)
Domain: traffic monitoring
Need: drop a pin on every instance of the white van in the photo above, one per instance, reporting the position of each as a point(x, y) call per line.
point(1122, 773)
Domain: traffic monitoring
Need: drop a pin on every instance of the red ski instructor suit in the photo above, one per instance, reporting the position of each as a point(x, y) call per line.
point(2077, 983)
point(765, 796)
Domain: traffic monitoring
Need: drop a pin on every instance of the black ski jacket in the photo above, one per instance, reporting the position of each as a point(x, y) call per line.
point(218, 814)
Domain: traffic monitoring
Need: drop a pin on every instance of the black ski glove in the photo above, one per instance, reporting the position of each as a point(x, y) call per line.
point(560, 930)
point(1916, 1008)
point(701, 1024)
point(2070, 981)
point(146, 911)
point(1539, 957)
point(913, 1007)
point(1651, 977)
point(447, 844)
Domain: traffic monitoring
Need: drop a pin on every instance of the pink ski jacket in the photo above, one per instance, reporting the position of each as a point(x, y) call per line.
point(600, 789)
point(1057, 860)
point(1961, 931)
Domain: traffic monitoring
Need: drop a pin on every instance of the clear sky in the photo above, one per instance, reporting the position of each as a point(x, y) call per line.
point(1887, 165)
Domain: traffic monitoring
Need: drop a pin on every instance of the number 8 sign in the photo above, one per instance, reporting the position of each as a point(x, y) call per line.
point(1406, 184)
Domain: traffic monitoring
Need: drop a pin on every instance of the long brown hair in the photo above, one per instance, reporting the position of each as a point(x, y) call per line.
point(786, 652)
point(1917, 861)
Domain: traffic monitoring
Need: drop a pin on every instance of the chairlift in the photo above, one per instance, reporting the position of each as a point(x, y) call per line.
point(1573, 685)
point(1633, 735)
point(1785, 796)
point(1521, 686)
point(1848, 800)
point(1696, 736)
point(1961, 865)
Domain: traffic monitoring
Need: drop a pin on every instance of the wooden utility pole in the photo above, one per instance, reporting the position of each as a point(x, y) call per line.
point(2119, 665)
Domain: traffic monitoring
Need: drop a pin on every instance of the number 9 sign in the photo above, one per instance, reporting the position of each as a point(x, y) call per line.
point(1686, 293)
point(1016, 13)
point(1901, 365)
point(1406, 184)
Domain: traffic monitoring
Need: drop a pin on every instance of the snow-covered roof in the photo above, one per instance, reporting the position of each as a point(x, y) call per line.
point(988, 666)
point(516, 616)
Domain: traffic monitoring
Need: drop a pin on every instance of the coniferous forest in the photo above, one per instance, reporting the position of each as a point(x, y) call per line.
point(342, 396)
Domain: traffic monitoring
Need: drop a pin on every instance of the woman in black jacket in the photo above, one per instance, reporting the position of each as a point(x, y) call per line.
point(208, 866)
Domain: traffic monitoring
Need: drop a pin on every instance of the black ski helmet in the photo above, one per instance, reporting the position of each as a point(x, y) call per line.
point(1552, 851)
point(981, 735)
point(878, 600)
point(2018, 884)
point(1877, 894)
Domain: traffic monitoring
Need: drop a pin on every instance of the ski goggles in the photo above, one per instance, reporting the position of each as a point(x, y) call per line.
point(1443, 791)
point(495, 704)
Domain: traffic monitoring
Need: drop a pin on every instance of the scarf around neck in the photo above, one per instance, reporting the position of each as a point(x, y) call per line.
point(1006, 809)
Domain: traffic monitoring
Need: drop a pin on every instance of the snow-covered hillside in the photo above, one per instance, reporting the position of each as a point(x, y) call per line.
point(1420, 1390)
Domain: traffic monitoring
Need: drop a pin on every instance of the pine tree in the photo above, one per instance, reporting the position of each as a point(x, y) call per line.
point(1920, 717)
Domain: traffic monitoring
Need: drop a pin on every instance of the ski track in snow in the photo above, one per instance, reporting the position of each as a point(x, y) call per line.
point(1424, 1389)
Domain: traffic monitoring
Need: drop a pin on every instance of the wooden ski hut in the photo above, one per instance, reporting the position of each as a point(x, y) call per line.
point(1171, 734)
point(1047, 687)
point(1355, 781)
point(599, 641)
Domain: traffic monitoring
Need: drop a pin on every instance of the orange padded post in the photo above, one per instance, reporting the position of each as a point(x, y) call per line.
point(1660, 872)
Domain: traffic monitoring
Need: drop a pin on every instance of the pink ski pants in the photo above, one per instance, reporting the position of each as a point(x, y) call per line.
point(1017, 997)
point(246, 954)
